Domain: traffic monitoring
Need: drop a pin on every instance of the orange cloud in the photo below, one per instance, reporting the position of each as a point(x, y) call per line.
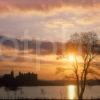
point(44, 5)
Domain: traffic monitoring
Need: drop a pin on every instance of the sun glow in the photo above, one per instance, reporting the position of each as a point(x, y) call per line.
point(71, 58)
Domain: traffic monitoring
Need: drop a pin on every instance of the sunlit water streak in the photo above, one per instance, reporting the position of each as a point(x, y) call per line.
point(71, 92)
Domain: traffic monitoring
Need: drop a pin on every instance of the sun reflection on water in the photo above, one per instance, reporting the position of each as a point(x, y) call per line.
point(71, 92)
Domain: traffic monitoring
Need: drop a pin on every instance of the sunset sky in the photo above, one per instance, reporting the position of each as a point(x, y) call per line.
point(50, 20)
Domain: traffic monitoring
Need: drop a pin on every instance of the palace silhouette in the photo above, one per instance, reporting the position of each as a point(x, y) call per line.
point(19, 80)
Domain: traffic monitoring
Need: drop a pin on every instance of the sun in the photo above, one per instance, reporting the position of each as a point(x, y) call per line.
point(71, 58)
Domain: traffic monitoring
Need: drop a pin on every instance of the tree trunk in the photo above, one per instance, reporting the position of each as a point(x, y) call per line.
point(80, 97)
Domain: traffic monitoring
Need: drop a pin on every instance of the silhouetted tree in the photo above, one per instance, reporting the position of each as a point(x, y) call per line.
point(82, 44)
point(85, 44)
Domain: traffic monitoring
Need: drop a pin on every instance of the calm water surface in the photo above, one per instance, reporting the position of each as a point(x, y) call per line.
point(50, 92)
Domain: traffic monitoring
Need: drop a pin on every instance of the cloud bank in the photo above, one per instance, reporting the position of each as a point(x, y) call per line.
point(45, 5)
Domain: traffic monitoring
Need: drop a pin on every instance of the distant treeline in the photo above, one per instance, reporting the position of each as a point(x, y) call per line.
point(31, 79)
